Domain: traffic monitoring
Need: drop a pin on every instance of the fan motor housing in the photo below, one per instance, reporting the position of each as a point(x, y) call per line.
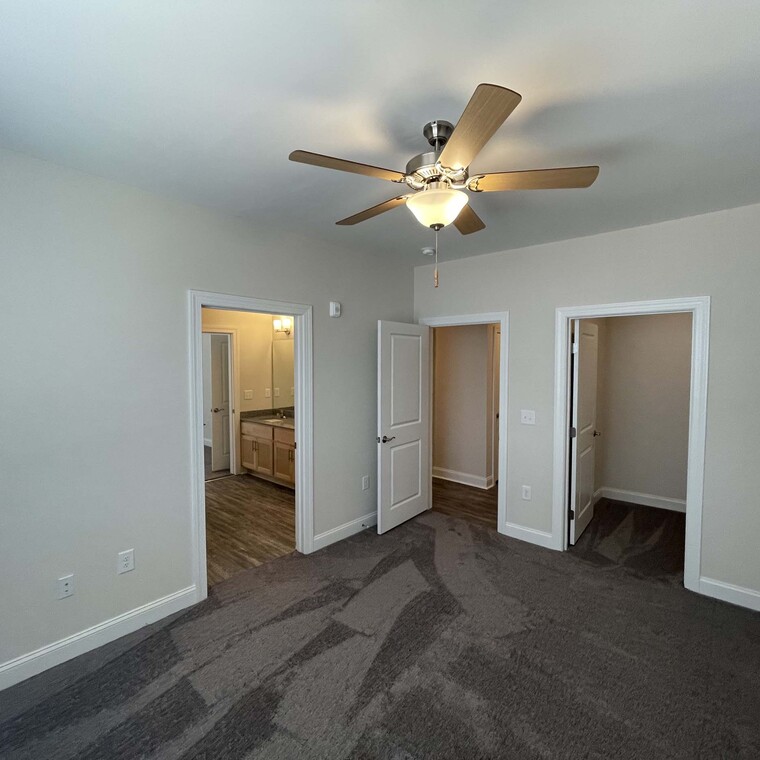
point(424, 168)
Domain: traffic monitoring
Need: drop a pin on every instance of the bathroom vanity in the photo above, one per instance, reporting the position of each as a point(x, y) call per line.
point(268, 449)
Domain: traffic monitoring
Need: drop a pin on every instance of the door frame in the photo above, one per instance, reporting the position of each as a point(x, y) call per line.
point(304, 422)
point(231, 332)
point(699, 308)
point(502, 319)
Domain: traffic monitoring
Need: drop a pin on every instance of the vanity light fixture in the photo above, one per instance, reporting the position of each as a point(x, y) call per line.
point(283, 324)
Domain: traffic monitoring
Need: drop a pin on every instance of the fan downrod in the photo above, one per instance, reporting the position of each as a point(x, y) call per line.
point(437, 133)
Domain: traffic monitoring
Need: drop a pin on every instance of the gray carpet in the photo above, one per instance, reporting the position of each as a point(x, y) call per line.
point(649, 542)
point(441, 639)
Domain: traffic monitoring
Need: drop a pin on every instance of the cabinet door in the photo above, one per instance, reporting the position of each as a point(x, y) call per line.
point(263, 456)
point(284, 462)
point(247, 455)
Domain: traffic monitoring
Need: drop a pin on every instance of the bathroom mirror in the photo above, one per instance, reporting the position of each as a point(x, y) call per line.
point(283, 377)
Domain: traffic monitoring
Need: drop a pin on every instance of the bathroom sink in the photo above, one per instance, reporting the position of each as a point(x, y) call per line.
point(279, 422)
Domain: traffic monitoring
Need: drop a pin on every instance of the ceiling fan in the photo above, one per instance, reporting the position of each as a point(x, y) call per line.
point(439, 177)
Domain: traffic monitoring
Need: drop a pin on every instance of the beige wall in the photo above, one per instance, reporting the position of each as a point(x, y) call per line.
point(714, 254)
point(94, 292)
point(254, 349)
point(461, 402)
point(643, 404)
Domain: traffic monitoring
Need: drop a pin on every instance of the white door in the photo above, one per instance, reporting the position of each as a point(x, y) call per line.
point(583, 444)
point(403, 423)
point(220, 402)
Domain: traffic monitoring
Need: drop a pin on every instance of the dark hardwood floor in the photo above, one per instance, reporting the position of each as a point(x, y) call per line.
point(469, 503)
point(249, 521)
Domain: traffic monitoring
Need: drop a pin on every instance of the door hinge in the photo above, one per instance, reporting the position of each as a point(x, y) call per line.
point(573, 432)
point(572, 514)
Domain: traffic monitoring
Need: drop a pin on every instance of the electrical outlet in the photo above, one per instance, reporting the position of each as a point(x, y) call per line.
point(65, 586)
point(277, 393)
point(247, 395)
point(527, 493)
point(527, 416)
point(267, 393)
point(365, 483)
point(126, 561)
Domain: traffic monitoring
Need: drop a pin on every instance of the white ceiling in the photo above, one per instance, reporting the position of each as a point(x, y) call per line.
point(204, 101)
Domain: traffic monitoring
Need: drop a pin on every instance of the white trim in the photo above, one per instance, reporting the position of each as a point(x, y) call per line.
point(643, 499)
point(321, 540)
point(207, 442)
point(531, 535)
point(30, 664)
point(304, 374)
point(476, 481)
point(699, 307)
point(728, 592)
point(502, 319)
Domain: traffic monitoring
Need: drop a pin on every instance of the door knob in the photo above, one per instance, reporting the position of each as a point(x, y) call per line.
point(216, 409)
point(385, 439)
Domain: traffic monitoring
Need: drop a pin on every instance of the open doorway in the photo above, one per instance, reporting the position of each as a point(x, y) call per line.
point(250, 515)
point(253, 413)
point(465, 413)
point(488, 487)
point(631, 382)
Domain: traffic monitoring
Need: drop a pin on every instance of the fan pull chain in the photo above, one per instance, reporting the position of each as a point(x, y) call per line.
point(435, 275)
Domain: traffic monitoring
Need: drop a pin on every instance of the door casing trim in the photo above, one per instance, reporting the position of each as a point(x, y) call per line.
point(699, 308)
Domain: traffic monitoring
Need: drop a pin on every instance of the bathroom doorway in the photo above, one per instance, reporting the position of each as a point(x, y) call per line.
point(255, 373)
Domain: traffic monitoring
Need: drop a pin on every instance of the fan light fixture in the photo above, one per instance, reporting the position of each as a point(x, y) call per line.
point(437, 205)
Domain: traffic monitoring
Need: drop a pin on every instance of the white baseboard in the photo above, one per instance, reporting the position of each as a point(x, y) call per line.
point(207, 442)
point(644, 499)
point(30, 664)
point(344, 531)
point(727, 592)
point(464, 478)
point(531, 535)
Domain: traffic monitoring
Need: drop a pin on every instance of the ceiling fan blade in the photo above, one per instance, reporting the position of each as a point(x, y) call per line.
point(488, 109)
point(341, 164)
point(537, 179)
point(368, 213)
point(468, 221)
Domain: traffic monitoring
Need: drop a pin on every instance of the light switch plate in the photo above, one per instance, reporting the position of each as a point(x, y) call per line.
point(267, 393)
point(276, 392)
point(527, 493)
point(527, 416)
point(247, 395)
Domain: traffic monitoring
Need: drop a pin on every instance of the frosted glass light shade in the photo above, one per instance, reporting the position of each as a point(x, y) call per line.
point(437, 205)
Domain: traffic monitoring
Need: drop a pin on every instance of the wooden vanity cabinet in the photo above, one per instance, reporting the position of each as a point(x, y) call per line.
point(257, 449)
point(268, 451)
point(284, 456)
